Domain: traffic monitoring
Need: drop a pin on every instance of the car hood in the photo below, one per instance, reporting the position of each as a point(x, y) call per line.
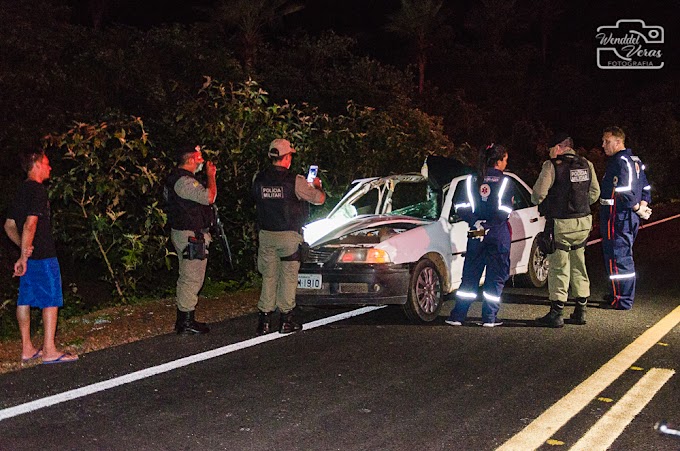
point(369, 229)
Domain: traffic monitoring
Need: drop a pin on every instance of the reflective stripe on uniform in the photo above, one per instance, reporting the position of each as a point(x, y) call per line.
point(606, 201)
point(466, 294)
point(468, 184)
point(630, 178)
point(622, 276)
point(502, 207)
point(492, 298)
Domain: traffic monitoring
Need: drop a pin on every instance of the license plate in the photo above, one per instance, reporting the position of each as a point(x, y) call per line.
point(309, 281)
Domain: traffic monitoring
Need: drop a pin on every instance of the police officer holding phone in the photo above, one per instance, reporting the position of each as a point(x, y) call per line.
point(190, 217)
point(281, 198)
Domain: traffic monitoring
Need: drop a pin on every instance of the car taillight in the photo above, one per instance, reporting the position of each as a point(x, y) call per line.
point(364, 255)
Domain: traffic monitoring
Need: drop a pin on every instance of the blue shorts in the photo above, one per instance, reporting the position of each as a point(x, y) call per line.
point(41, 285)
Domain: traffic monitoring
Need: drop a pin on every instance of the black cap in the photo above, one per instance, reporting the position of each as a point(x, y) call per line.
point(183, 150)
point(558, 138)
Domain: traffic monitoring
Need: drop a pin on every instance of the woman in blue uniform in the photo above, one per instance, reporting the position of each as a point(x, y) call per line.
point(487, 208)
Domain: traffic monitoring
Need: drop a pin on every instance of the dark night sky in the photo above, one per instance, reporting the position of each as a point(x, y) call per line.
point(365, 19)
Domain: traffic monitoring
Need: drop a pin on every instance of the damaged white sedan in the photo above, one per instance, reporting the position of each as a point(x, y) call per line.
point(397, 240)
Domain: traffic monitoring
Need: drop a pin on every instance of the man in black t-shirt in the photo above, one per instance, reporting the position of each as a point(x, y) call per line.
point(28, 225)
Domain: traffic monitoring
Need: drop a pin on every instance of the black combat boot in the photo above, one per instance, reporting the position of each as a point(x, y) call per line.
point(180, 319)
point(264, 323)
point(187, 324)
point(579, 315)
point(288, 325)
point(554, 316)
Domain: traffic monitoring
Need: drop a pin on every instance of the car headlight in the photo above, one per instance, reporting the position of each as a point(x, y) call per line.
point(364, 255)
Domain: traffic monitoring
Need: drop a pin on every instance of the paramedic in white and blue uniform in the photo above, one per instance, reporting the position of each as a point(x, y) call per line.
point(486, 209)
point(625, 200)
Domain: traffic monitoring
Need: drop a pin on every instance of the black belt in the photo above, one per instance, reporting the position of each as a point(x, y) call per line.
point(566, 248)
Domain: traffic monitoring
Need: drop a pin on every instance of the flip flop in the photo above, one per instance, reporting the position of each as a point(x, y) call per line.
point(64, 358)
point(37, 355)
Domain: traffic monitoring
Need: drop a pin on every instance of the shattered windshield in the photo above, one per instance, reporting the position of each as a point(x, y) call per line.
point(398, 195)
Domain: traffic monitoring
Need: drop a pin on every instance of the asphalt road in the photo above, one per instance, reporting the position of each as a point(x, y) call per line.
point(376, 382)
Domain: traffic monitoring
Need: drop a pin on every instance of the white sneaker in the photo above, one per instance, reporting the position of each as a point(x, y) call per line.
point(494, 324)
point(453, 323)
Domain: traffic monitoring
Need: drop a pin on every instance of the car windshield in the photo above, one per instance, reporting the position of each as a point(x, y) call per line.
point(408, 195)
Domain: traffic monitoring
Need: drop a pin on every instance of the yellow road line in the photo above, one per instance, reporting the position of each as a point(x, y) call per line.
point(550, 421)
point(612, 424)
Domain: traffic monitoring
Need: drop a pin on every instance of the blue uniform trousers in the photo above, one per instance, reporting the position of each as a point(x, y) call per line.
point(619, 230)
point(481, 254)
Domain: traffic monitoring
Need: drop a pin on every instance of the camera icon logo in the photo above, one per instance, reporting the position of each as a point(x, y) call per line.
point(630, 44)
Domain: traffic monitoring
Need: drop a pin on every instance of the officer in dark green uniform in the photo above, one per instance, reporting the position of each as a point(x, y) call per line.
point(564, 191)
point(190, 217)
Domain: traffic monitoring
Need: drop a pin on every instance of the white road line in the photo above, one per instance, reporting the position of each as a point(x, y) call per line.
point(611, 425)
point(148, 372)
point(550, 421)
point(595, 241)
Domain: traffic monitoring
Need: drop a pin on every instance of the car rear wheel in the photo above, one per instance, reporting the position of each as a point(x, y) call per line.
point(537, 275)
point(425, 293)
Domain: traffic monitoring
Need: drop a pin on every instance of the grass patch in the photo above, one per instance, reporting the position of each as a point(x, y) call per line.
point(215, 288)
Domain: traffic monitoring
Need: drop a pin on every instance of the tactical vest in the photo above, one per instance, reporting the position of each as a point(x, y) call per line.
point(184, 214)
point(278, 208)
point(568, 197)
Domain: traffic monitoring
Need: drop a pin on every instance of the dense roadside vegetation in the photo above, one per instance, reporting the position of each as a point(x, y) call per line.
point(110, 102)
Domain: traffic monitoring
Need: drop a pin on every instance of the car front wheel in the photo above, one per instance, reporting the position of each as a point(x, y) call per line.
point(425, 293)
point(537, 276)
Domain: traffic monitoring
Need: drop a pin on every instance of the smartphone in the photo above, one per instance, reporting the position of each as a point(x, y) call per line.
point(311, 175)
